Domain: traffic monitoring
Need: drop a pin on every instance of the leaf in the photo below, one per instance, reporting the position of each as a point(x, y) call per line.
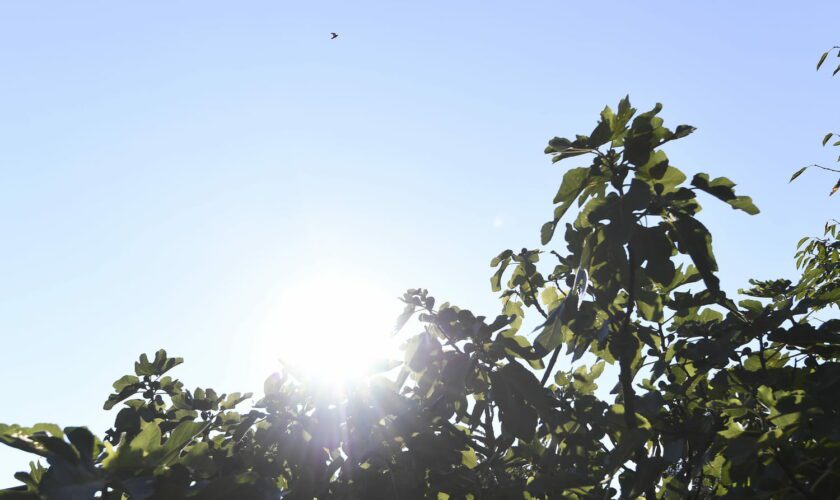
point(125, 381)
point(797, 174)
point(519, 346)
point(23, 438)
point(722, 189)
point(402, 319)
point(547, 231)
point(518, 418)
point(835, 188)
point(649, 304)
point(148, 441)
point(571, 186)
point(468, 458)
point(144, 448)
point(655, 166)
point(583, 382)
point(604, 130)
point(273, 384)
point(558, 145)
point(694, 239)
point(159, 366)
point(525, 384)
point(499, 258)
point(496, 278)
point(683, 130)
point(179, 438)
point(551, 335)
point(827, 138)
point(734, 430)
point(822, 60)
point(84, 442)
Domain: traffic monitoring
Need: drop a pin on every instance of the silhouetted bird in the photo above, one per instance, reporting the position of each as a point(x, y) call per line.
point(334, 36)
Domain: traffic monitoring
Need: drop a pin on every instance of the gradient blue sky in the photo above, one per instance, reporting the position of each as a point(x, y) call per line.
point(168, 169)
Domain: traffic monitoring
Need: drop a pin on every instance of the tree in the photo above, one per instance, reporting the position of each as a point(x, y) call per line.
point(712, 398)
point(829, 136)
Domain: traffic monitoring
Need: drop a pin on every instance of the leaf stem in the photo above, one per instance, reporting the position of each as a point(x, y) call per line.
point(825, 168)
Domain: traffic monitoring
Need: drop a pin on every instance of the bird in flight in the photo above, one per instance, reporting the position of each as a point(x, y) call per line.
point(333, 36)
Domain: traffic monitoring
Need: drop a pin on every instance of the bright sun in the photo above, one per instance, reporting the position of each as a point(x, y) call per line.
point(333, 326)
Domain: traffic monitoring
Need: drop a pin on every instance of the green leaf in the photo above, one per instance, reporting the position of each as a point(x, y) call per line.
point(125, 381)
point(84, 441)
point(573, 183)
point(147, 441)
point(649, 303)
point(604, 130)
point(496, 278)
point(722, 189)
point(683, 130)
point(655, 167)
point(822, 60)
point(558, 145)
point(159, 366)
point(547, 231)
point(501, 257)
point(469, 459)
point(787, 420)
point(179, 438)
point(519, 346)
point(827, 138)
point(552, 333)
point(734, 430)
point(694, 239)
point(583, 381)
point(797, 174)
point(143, 448)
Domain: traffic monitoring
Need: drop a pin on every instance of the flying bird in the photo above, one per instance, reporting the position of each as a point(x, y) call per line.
point(333, 36)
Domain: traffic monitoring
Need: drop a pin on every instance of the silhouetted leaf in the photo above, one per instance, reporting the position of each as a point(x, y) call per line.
point(797, 173)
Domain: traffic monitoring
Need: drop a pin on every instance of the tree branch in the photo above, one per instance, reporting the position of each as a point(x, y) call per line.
point(825, 168)
point(625, 375)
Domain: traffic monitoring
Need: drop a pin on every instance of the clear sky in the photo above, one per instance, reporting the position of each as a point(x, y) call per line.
point(170, 171)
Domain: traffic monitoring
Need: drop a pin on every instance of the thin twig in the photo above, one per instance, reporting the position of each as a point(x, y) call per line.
point(824, 168)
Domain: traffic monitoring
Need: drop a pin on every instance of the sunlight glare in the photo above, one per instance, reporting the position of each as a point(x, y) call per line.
point(332, 326)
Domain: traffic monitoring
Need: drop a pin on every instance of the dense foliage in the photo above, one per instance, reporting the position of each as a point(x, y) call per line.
point(709, 397)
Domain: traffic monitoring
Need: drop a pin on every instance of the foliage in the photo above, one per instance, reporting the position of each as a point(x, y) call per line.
point(833, 50)
point(829, 136)
point(710, 398)
point(819, 260)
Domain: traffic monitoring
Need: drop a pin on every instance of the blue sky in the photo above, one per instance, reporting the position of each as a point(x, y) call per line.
point(169, 169)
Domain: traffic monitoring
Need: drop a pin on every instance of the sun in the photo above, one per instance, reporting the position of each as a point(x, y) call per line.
point(331, 325)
